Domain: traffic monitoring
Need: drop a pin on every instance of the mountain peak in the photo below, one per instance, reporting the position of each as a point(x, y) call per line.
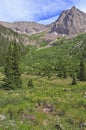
point(73, 8)
point(70, 21)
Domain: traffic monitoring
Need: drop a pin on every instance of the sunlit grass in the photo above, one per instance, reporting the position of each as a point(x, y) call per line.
point(26, 108)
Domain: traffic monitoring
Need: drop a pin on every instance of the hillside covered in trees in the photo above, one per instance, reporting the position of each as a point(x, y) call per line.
point(43, 87)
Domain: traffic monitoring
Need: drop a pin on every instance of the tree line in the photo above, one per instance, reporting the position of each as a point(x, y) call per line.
point(12, 69)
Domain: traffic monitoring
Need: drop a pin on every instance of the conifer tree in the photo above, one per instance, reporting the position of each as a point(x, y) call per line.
point(11, 68)
point(16, 69)
point(30, 83)
point(74, 81)
point(82, 74)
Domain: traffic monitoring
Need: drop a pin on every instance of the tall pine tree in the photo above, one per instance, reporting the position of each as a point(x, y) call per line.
point(74, 81)
point(11, 68)
point(82, 73)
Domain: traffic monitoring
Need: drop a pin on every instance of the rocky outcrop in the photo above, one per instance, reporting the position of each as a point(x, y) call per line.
point(70, 21)
point(2, 117)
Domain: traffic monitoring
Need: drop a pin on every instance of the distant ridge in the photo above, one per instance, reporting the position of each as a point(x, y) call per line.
point(24, 27)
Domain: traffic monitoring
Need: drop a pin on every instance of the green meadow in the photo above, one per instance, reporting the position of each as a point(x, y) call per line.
point(47, 99)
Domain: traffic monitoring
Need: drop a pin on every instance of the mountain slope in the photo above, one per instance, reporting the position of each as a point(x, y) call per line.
point(65, 53)
point(70, 21)
point(24, 27)
point(6, 37)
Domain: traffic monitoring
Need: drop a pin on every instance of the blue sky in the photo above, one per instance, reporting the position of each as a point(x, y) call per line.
point(41, 11)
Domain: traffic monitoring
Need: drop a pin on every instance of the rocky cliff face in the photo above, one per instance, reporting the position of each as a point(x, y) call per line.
point(24, 27)
point(71, 21)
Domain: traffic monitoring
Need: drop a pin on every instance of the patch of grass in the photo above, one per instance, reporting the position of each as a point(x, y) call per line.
point(50, 102)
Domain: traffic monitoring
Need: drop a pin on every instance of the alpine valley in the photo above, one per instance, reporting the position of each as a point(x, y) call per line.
point(52, 64)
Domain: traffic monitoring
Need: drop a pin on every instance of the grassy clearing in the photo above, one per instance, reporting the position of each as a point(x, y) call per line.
point(51, 101)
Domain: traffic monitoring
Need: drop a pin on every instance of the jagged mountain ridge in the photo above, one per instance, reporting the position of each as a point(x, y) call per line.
point(70, 21)
point(24, 27)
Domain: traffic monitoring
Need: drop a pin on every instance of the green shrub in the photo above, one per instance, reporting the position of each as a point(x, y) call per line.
point(30, 83)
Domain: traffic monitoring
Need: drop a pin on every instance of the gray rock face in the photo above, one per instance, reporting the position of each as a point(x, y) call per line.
point(24, 27)
point(71, 21)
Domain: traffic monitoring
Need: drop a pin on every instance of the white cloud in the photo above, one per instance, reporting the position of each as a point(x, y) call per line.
point(44, 11)
point(48, 21)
